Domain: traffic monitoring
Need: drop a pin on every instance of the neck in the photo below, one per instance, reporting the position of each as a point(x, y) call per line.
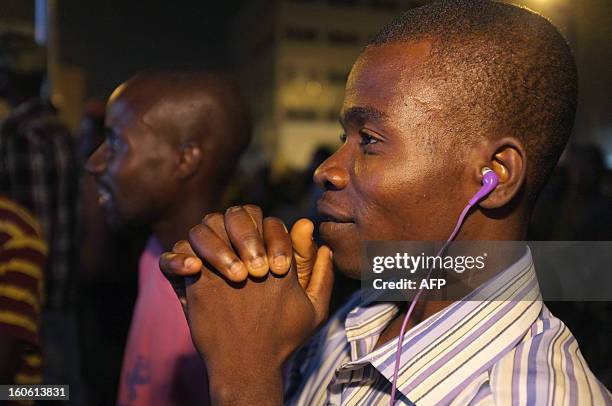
point(477, 227)
point(185, 214)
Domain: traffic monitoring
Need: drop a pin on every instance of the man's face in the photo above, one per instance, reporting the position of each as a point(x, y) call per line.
point(395, 177)
point(134, 166)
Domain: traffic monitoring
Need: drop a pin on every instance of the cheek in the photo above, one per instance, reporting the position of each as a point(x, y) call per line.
point(134, 179)
point(392, 196)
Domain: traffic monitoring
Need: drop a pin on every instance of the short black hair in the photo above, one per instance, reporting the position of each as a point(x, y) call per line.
point(501, 69)
point(213, 111)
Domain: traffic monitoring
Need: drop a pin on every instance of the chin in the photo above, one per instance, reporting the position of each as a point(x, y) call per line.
point(349, 266)
point(347, 257)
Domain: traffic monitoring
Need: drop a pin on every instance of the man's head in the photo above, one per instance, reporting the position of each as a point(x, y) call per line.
point(172, 137)
point(438, 94)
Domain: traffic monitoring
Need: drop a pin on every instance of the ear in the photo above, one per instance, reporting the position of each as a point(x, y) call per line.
point(190, 159)
point(507, 157)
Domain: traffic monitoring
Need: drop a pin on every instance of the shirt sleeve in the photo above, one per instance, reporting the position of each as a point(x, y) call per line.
point(22, 258)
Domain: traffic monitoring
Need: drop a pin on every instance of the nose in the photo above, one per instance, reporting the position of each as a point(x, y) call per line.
point(96, 164)
point(331, 175)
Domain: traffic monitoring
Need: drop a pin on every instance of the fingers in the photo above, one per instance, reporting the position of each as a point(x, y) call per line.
point(182, 261)
point(278, 245)
point(246, 238)
point(305, 249)
point(257, 216)
point(321, 282)
point(183, 247)
point(241, 243)
point(179, 263)
point(212, 249)
point(216, 222)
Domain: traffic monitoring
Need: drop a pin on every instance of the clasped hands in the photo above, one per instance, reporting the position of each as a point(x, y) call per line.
point(252, 293)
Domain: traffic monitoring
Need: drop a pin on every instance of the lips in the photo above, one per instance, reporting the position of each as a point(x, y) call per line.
point(329, 213)
point(335, 223)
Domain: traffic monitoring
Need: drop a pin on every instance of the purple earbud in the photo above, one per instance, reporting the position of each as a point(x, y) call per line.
point(489, 182)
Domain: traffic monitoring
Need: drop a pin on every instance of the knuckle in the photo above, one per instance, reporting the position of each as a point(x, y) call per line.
point(275, 225)
point(275, 222)
point(196, 231)
point(232, 209)
point(179, 244)
point(254, 209)
point(212, 218)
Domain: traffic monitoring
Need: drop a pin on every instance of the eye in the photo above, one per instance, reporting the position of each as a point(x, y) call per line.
point(367, 139)
point(114, 143)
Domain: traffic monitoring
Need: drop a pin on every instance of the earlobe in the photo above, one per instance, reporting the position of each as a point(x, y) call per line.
point(190, 157)
point(508, 160)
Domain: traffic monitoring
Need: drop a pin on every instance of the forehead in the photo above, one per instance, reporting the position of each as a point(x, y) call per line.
point(127, 110)
point(390, 79)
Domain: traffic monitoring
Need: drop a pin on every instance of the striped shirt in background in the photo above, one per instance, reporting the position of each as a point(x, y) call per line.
point(509, 350)
point(38, 168)
point(22, 256)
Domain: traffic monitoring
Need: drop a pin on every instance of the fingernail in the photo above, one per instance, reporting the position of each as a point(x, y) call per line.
point(258, 262)
point(331, 254)
point(280, 261)
point(190, 263)
point(237, 268)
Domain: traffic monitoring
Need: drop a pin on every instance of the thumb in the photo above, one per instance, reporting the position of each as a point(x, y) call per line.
point(319, 288)
point(176, 266)
point(305, 249)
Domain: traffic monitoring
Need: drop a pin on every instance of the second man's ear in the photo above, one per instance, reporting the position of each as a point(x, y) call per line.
point(508, 159)
point(190, 159)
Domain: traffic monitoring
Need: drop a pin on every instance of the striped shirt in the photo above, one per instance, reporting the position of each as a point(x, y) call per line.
point(22, 255)
point(38, 170)
point(505, 350)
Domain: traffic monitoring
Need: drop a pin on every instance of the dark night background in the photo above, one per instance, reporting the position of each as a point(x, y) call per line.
point(114, 39)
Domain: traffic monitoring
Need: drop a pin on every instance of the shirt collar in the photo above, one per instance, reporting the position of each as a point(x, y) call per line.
point(455, 345)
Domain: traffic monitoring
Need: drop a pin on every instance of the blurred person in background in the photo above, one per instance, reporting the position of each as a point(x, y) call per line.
point(106, 281)
point(39, 169)
point(173, 141)
point(574, 207)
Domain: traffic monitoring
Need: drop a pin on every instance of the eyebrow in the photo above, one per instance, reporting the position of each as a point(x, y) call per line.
point(360, 114)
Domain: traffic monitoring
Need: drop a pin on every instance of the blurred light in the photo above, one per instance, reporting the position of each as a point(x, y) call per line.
point(314, 88)
point(57, 99)
point(41, 21)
